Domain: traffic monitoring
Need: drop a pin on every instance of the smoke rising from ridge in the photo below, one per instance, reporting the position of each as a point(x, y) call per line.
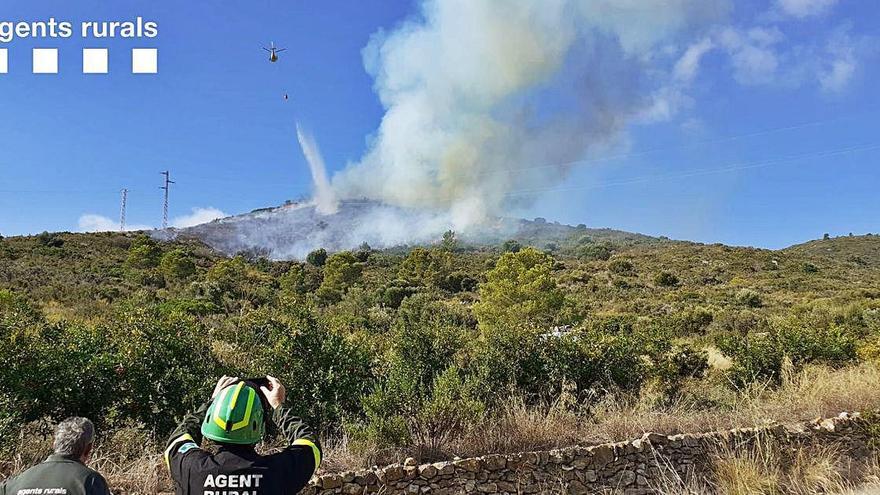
point(485, 98)
point(325, 200)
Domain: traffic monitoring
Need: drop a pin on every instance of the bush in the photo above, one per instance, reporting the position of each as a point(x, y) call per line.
point(666, 279)
point(193, 307)
point(341, 271)
point(449, 409)
point(235, 281)
point(144, 253)
point(511, 246)
point(317, 257)
point(159, 365)
point(689, 322)
point(520, 290)
point(177, 265)
point(50, 240)
point(748, 298)
point(458, 282)
point(596, 252)
point(324, 373)
point(363, 252)
point(449, 241)
point(301, 279)
point(755, 358)
point(759, 357)
point(622, 267)
point(429, 268)
point(394, 293)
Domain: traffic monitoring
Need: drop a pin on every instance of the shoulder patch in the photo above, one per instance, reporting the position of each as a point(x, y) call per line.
point(187, 447)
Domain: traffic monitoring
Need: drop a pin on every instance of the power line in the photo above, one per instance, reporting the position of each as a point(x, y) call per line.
point(122, 210)
point(167, 188)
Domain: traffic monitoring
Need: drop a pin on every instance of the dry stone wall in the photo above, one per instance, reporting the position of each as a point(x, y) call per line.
point(632, 467)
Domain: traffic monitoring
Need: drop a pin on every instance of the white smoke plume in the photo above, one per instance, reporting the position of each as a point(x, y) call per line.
point(91, 222)
point(488, 99)
point(324, 198)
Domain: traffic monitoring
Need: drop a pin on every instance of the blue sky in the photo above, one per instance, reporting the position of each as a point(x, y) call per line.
point(762, 127)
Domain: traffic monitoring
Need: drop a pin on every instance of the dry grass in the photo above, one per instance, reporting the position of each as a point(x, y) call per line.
point(765, 468)
point(131, 459)
point(811, 393)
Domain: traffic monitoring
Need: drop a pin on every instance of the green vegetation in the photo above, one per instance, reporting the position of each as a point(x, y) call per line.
point(415, 348)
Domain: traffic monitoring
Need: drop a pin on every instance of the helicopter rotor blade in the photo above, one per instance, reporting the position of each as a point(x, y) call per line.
point(280, 50)
point(268, 50)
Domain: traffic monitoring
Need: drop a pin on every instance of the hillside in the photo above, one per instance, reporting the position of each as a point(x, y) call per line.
point(292, 231)
point(68, 270)
point(456, 348)
point(859, 250)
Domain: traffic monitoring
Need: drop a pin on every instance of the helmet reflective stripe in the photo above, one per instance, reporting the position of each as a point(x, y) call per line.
point(235, 416)
point(224, 423)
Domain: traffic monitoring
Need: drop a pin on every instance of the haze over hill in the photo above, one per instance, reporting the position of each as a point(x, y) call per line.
point(292, 231)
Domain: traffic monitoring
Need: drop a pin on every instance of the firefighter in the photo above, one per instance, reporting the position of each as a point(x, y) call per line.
point(237, 418)
point(65, 471)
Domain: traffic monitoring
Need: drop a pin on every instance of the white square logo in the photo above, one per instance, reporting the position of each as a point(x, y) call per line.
point(45, 60)
point(4, 61)
point(94, 60)
point(144, 61)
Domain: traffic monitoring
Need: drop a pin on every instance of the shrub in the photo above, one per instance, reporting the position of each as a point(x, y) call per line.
point(449, 241)
point(143, 253)
point(324, 373)
point(459, 282)
point(341, 271)
point(511, 246)
point(238, 281)
point(449, 409)
point(317, 257)
point(177, 265)
point(424, 337)
point(761, 356)
point(748, 298)
point(393, 293)
point(755, 358)
point(193, 307)
point(50, 240)
point(622, 267)
point(159, 365)
point(672, 365)
point(592, 252)
point(520, 290)
point(666, 279)
point(301, 279)
point(692, 321)
point(363, 252)
point(429, 268)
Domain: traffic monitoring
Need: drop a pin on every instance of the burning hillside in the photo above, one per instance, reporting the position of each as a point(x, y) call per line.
point(292, 231)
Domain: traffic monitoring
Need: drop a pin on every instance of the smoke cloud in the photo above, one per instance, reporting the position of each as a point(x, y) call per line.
point(325, 200)
point(91, 222)
point(488, 99)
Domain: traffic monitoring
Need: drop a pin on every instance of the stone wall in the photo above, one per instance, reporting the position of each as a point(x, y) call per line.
point(631, 467)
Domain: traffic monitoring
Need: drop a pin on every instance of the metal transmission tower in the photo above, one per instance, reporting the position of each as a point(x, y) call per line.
point(122, 210)
point(166, 187)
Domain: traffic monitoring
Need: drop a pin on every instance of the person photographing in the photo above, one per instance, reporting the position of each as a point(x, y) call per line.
point(240, 414)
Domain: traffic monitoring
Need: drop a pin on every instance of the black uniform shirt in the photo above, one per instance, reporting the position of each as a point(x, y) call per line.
point(57, 475)
point(239, 469)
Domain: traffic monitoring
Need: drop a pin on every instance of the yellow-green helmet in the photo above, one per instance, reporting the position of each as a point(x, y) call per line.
point(235, 416)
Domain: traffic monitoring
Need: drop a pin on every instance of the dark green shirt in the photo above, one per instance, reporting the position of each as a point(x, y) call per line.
point(57, 475)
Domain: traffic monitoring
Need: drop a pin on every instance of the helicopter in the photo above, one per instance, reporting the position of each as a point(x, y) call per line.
point(273, 52)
